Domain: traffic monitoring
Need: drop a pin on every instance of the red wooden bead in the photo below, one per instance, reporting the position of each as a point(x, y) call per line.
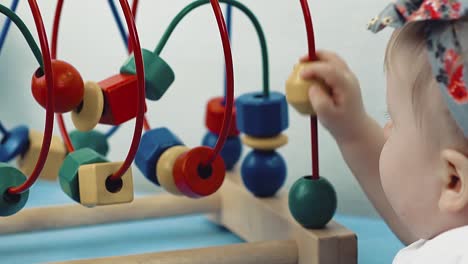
point(120, 97)
point(215, 115)
point(193, 178)
point(68, 87)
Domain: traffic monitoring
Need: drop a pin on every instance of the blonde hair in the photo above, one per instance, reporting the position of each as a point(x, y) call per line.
point(408, 44)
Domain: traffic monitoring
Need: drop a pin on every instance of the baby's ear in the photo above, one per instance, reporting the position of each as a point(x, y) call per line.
point(454, 195)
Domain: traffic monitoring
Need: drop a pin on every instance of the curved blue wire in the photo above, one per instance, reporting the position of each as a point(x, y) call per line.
point(6, 26)
point(118, 21)
point(229, 29)
point(123, 34)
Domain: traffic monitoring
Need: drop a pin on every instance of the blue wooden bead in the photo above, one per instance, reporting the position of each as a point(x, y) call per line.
point(93, 139)
point(263, 173)
point(14, 144)
point(262, 117)
point(152, 146)
point(11, 177)
point(231, 151)
point(68, 174)
point(158, 74)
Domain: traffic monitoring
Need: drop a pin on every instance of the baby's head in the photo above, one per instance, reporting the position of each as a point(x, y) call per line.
point(424, 163)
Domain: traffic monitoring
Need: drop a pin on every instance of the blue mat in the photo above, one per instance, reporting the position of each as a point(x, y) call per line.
point(376, 242)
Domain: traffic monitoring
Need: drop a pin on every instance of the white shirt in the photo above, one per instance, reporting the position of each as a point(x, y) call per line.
point(450, 247)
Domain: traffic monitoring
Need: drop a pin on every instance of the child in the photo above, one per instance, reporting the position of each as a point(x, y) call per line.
point(422, 153)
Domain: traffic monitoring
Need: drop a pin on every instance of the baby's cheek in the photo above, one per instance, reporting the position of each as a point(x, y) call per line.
point(389, 175)
point(388, 129)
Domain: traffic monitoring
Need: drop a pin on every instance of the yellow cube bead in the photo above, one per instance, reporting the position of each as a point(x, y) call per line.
point(97, 189)
point(165, 167)
point(297, 90)
point(265, 144)
point(57, 153)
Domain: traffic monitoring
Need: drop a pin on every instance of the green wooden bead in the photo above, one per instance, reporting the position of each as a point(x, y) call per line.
point(11, 177)
point(312, 202)
point(68, 175)
point(93, 139)
point(158, 74)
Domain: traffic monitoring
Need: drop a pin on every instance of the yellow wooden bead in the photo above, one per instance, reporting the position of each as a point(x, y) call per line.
point(96, 188)
point(297, 90)
point(87, 116)
point(265, 144)
point(57, 153)
point(165, 166)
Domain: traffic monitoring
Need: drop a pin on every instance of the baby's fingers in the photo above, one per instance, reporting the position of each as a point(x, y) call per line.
point(333, 77)
point(321, 101)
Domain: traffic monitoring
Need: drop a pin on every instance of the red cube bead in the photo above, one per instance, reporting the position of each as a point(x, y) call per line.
point(194, 179)
point(215, 116)
point(121, 99)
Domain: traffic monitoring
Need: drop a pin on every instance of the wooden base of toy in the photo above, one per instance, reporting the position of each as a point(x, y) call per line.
point(273, 235)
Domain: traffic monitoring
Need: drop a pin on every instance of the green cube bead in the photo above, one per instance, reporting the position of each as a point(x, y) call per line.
point(93, 139)
point(68, 175)
point(11, 177)
point(312, 202)
point(158, 74)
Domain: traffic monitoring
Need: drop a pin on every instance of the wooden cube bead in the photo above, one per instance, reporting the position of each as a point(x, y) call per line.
point(87, 115)
point(297, 90)
point(28, 160)
point(158, 74)
point(70, 167)
point(265, 144)
point(261, 116)
point(11, 177)
point(120, 99)
point(96, 188)
point(165, 167)
point(193, 178)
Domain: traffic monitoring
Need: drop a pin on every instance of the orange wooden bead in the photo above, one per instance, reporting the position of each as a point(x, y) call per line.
point(193, 178)
point(96, 188)
point(87, 116)
point(120, 97)
point(215, 116)
point(28, 160)
point(297, 90)
point(165, 168)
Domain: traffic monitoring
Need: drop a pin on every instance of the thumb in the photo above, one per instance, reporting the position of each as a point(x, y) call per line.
point(321, 100)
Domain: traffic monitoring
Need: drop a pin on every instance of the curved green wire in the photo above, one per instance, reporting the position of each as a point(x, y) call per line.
point(247, 12)
point(25, 31)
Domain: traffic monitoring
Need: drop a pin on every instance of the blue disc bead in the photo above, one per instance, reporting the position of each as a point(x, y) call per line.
point(231, 151)
point(14, 144)
point(263, 172)
point(152, 146)
point(261, 116)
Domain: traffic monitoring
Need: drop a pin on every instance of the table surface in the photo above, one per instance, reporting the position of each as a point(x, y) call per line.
point(376, 242)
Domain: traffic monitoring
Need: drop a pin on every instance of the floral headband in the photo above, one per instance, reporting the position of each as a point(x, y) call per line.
point(445, 49)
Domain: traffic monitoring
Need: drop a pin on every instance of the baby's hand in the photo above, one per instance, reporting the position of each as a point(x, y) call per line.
point(339, 106)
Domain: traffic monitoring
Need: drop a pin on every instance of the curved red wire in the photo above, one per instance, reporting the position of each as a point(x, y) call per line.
point(313, 119)
point(54, 42)
point(229, 80)
point(130, 47)
point(49, 123)
point(141, 91)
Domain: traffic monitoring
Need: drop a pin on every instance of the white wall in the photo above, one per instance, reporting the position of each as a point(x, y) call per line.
point(90, 40)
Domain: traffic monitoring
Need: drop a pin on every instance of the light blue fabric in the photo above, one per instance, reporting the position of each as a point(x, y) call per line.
point(376, 242)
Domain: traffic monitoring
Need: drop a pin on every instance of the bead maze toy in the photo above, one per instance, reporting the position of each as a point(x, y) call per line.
point(279, 228)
